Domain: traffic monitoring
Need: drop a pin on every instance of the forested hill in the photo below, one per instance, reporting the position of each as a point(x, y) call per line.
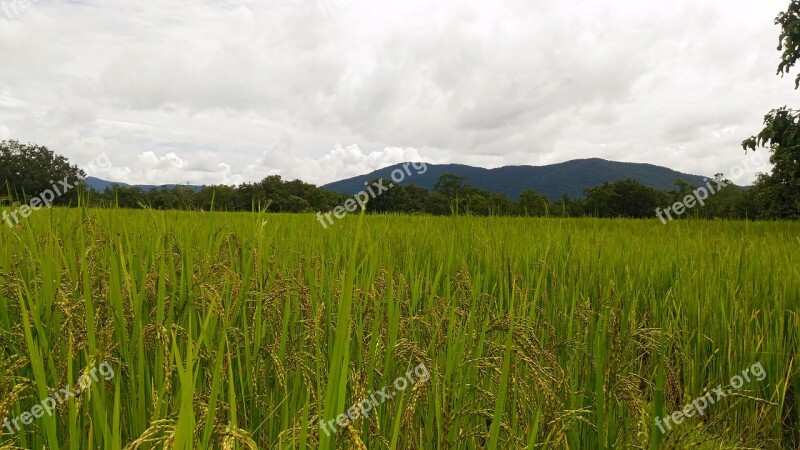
point(101, 185)
point(553, 181)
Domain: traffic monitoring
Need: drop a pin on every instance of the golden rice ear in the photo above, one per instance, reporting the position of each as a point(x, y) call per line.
point(231, 436)
point(354, 439)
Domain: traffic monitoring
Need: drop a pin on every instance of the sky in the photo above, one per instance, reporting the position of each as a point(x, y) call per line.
point(229, 91)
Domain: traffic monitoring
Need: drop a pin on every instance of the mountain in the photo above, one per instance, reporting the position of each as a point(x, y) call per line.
point(100, 185)
point(553, 181)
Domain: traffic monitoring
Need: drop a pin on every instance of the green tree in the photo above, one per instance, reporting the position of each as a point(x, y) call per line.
point(124, 197)
point(451, 186)
point(500, 205)
point(624, 198)
point(532, 204)
point(477, 204)
point(26, 170)
point(781, 133)
point(599, 199)
point(567, 207)
point(437, 204)
point(398, 199)
point(729, 202)
point(220, 197)
point(633, 199)
point(684, 188)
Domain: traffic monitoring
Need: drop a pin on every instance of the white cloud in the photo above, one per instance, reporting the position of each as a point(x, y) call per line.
point(229, 91)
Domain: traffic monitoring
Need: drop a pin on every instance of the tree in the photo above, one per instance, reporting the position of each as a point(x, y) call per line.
point(124, 197)
point(27, 170)
point(532, 204)
point(624, 198)
point(477, 204)
point(729, 202)
point(599, 199)
point(781, 133)
point(633, 199)
point(789, 40)
point(500, 205)
point(567, 207)
point(684, 188)
point(217, 198)
point(398, 199)
point(775, 200)
point(451, 186)
point(437, 204)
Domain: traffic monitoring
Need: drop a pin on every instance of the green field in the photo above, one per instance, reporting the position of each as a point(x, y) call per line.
point(243, 330)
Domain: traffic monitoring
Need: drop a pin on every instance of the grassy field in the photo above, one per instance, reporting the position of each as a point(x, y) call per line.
point(229, 330)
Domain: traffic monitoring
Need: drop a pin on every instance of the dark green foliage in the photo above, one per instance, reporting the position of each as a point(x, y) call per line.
point(626, 198)
point(271, 194)
point(532, 204)
point(437, 204)
point(451, 186)
point(777, 196)
point(26, 170)
point(789, 41)
point(399, 199)
point(780, 191)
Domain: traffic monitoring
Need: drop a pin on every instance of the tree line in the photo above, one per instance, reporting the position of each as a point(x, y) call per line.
point(27, 169)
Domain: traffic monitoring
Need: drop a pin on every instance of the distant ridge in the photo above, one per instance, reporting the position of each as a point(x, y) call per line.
point(100, 185)
point(553, 181)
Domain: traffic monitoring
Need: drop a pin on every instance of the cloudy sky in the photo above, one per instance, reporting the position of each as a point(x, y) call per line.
point(226, 91)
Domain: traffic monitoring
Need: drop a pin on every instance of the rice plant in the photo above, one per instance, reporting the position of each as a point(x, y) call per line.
point(247, 331)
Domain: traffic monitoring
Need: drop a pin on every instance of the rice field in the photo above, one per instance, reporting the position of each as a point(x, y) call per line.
point(258, 331)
